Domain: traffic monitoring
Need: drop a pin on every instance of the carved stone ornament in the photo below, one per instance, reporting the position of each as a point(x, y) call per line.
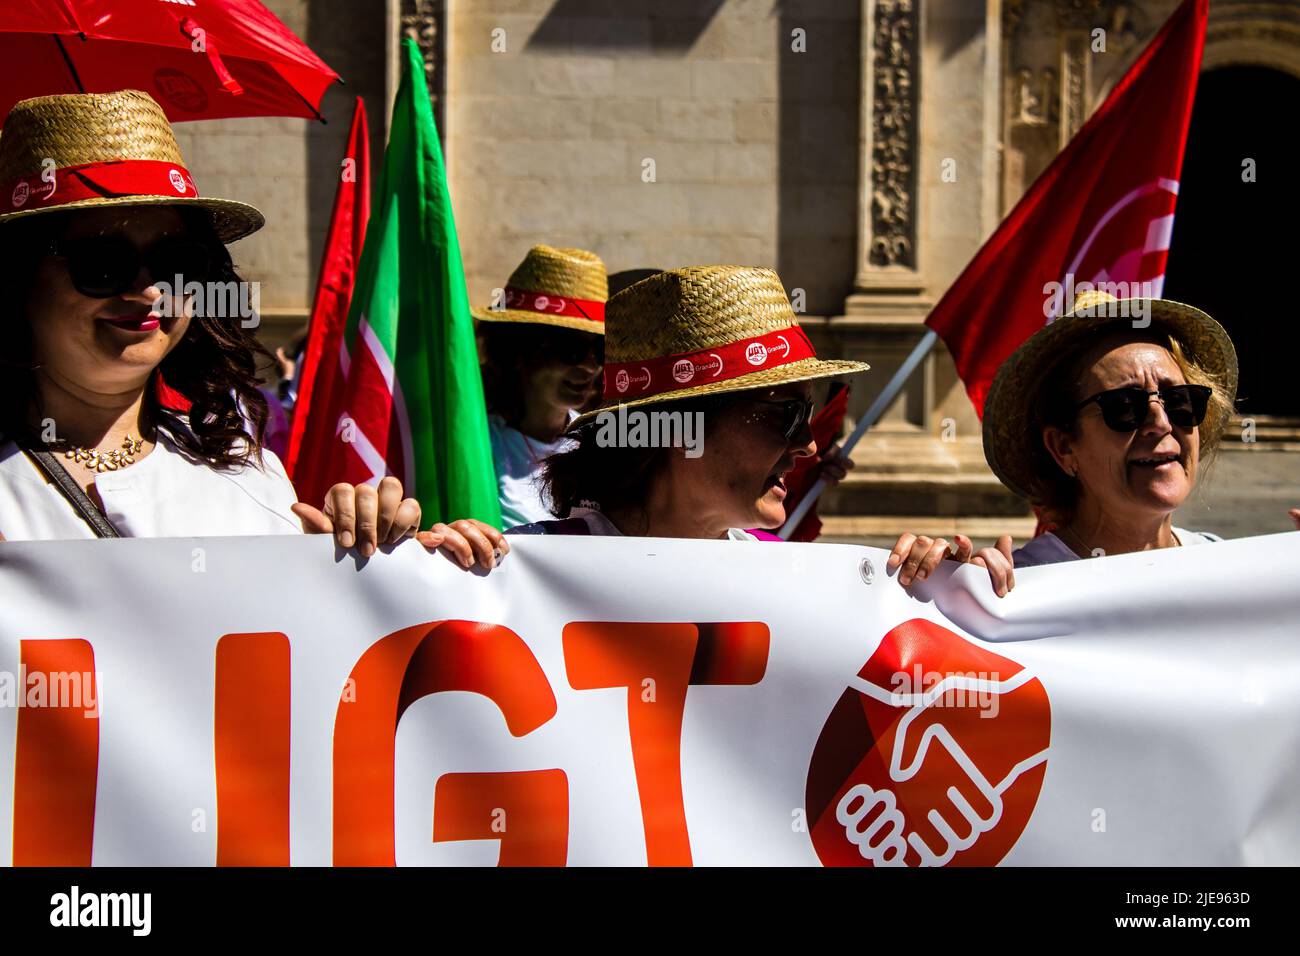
point(895, 57)
point(423, 21)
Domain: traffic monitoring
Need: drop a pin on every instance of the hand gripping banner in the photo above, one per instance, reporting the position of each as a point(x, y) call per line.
point(601, 701)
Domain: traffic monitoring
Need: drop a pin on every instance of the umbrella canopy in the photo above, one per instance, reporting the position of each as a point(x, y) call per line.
point(200, 59)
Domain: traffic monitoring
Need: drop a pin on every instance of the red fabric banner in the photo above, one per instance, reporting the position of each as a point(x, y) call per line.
point(320, 393)
point(1101, 214)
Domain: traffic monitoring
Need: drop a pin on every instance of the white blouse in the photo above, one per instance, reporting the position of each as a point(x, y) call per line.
point(518, 462)
point(166, 494)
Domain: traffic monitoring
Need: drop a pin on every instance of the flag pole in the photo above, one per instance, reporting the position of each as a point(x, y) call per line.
point(883, 401)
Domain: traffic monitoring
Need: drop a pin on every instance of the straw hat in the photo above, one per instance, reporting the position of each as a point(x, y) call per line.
point(564, 287)
point(1013, 410)
point(704, 330)
point(618, 281)
point(86, 150)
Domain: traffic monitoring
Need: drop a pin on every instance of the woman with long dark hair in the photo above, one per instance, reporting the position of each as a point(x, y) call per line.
point(129, 403)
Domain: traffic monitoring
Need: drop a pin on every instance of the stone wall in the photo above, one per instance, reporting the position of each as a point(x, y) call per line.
point(556, 110)
point(288, 168)
point(752, 113)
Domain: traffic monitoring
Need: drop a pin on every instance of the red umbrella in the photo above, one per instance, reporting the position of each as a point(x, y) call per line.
point(200, 59)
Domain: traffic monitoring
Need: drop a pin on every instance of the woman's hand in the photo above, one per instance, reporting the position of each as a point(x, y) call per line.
point(1294, 513)
point(834, 466)
point(916, 557)
point(363, 516)
point(997, 561)
point(466, 541)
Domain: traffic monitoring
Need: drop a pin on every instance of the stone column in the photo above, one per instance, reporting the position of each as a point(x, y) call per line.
point(882, 318)
point(425, 22)
point(931, 103)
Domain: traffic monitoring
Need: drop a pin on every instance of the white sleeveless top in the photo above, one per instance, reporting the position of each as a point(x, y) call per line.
point(166, 494)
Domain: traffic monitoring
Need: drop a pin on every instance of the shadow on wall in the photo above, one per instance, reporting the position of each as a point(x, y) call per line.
point(820, 77)
point(348, 37)
point(818, 115)
point(649, 26)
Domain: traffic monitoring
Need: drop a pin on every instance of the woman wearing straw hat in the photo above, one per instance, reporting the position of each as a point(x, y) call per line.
point(542, 345)
point(100, 222)
point(714, 356)
point(1106, 418)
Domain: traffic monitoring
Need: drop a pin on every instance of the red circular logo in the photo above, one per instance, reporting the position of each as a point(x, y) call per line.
point(1106, 256)
point(934, 755)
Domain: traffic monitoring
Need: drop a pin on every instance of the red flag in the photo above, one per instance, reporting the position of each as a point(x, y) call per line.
point(320, 390)
point(1101, 213)
point(412, 404)
point(825, 427)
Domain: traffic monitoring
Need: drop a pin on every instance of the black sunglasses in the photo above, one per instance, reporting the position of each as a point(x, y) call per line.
point(568, 346)
point(104, 266)
point(796, 414)
point(1127, 409)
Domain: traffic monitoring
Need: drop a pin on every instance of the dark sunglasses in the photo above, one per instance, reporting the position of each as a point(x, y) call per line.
point(796, 414)
point(569, 347)
point(1127, 409)
point(104, 266)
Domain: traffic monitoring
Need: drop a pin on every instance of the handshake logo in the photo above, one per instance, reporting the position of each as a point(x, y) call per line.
point(942, 765)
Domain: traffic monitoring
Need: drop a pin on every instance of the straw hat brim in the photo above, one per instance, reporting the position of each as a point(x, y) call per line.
point(538, 318)
point(1012, 411)
point(803, 370)
point(231, 219)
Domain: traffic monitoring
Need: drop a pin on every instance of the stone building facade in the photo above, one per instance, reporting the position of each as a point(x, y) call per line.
point(862, 148)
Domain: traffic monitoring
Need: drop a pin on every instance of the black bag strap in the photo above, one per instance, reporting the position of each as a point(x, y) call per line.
point(47, 463)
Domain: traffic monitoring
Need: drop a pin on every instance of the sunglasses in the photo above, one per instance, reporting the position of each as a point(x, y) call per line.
point(796, 414)
point(1127, 409)
point(104, 266)
point(568, 347)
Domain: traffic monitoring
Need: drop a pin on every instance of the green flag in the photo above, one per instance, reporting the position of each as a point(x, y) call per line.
point(413, 403)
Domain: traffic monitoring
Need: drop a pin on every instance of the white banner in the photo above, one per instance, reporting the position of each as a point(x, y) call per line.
point(602, 701)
